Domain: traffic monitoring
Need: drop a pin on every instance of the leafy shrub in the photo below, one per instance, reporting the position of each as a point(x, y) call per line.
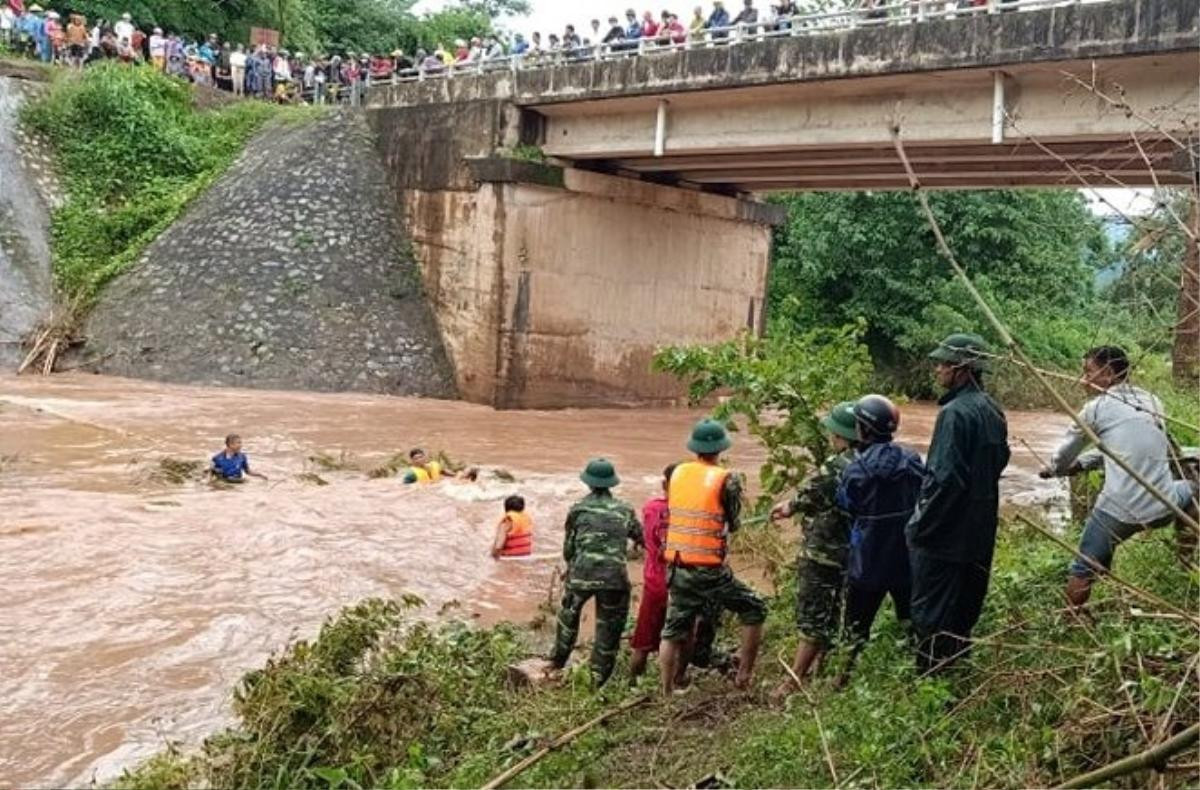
point(132, 152)
point(780, 386)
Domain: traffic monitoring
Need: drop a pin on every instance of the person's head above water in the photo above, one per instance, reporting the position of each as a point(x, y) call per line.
point(233, 444)
point(514, 504)
point(417, 456)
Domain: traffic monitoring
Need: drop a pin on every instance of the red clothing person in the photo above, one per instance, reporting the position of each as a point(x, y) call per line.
point(649, 26)
point(652, 611)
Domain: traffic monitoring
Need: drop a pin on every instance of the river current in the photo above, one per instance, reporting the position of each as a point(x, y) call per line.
point(133, 604)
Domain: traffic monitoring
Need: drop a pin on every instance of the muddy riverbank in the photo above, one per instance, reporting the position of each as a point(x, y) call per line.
point(135, 604)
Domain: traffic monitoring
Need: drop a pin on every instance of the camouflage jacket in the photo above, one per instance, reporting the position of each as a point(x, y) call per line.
point(826, 527)
point(594, 546)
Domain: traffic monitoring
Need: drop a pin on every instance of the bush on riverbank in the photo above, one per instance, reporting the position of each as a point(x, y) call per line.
point(132, 151)
point(378, 700)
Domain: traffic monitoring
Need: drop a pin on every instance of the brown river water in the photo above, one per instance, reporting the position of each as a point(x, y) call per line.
point(133, 606)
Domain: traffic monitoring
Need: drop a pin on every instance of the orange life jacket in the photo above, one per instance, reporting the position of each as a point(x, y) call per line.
point(696, 519)
point(519, 540)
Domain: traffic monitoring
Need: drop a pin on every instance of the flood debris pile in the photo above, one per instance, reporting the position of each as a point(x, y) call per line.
point(179, 471)
point(381, 699)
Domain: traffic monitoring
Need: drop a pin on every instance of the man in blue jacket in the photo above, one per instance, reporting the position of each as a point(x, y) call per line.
point(879, 491)
point(718, 20)
point(952, 533)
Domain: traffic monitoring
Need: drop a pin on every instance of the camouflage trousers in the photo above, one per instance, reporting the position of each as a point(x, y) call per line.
point(612, 610)
point(818, 601)
point(695, 592)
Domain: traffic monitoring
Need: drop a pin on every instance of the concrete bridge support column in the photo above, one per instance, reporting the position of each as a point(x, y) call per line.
point(555, 286)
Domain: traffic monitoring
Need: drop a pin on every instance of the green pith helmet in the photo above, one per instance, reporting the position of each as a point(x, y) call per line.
point(840, 421)
point(600, 473)
point(709, 437)
point(963, 349)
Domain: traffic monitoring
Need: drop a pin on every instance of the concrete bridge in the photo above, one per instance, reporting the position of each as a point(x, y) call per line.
point(554, 281)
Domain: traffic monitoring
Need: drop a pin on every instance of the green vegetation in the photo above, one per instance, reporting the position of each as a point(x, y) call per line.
point(1034, 255)
point(381, 699)
point(132, 151)
point(780, 386)
point(1037, 256)
point(315, 26)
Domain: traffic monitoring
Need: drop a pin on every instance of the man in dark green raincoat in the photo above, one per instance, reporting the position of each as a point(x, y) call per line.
point(952, 534)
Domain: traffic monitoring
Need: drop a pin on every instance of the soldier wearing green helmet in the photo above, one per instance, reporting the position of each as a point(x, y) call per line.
point(598, 529)
point(952, 533)
point(824, 547)
point(704, 503)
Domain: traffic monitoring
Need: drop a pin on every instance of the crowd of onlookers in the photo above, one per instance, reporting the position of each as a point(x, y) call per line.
point(639, 32)
point(261, 71)
point(276, 74)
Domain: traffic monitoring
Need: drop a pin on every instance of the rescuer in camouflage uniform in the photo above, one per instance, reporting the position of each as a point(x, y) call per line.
point(824, 547)
point(597, 530)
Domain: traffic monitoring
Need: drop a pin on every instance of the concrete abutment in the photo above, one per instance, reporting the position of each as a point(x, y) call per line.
point(554, 286)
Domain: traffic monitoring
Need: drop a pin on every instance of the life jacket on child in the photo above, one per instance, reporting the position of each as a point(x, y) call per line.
point(519, 540)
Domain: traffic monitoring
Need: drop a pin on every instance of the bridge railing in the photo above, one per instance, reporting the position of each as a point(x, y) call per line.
point(891, 14)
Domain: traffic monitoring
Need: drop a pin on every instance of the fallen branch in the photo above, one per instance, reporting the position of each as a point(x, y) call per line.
point(562, 741)
point(817, 718)
point(1146, 595)
point(1015, 349)
point(1151, 758)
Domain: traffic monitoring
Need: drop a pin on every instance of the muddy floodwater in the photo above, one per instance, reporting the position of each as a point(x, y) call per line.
point(133, 605)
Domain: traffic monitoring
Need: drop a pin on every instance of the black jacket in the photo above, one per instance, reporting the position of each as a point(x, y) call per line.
point(957, 512)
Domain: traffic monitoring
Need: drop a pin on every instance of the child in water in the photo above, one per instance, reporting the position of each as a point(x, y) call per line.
point(231, 463)
point(514, 533)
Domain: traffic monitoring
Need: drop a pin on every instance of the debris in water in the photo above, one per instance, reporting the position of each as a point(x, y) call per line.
point(176, 471)
point(312, 478)
point(328, 462)
point(390, 468)
point(504, 475)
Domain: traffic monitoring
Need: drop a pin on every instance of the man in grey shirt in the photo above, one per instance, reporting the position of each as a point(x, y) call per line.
point(1129, 422)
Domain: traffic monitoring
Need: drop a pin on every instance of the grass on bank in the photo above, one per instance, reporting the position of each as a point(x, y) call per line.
point(132, 149)
point(381, 699)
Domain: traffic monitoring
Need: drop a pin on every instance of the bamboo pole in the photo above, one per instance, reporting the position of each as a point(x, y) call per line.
point(1146, 595)
point(1151, 758)
point(561, 741)
point(833, 774)
point(1014, 348)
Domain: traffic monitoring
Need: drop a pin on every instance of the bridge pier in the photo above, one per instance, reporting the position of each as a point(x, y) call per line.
point(555, 286)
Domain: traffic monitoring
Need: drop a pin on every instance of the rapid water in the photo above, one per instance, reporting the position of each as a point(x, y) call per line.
point(133, 606)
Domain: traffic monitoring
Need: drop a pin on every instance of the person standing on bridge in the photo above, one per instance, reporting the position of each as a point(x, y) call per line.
point(747, 17)
point(615, 34)
point(595, 547)
point(952, 533)
point(704, 505)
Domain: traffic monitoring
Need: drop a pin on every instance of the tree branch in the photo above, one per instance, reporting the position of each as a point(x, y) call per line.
point(1151, 758)
point(1015, 349)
